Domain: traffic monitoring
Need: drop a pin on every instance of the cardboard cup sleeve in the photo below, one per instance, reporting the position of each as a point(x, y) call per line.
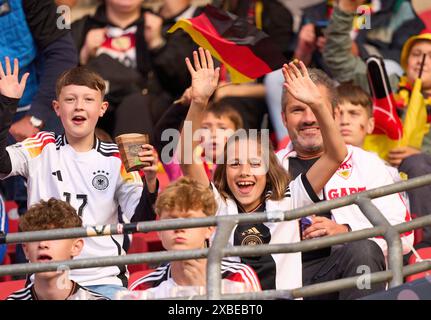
point(130, 145)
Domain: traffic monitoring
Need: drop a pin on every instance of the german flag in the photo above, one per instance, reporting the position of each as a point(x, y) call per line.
point(390, 133)
point(247, 52)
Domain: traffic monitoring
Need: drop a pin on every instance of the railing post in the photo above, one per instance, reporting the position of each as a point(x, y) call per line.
point(391, 235)
point(215, 254)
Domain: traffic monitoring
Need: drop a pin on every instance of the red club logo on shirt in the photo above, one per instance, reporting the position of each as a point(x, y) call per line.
point(345, 170)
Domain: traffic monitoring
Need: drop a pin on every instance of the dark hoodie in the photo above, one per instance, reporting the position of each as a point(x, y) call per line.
point(160, 70)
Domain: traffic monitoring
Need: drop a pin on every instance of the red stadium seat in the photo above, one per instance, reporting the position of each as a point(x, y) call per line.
point(137, 275)
point(425, 254)
point(144, 242)
point(13, 221)
point(418, 233)
point(8, 287)
point(7, 260)
point(12, 213)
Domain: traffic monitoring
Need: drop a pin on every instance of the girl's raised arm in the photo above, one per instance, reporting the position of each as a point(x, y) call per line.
point(204, 82)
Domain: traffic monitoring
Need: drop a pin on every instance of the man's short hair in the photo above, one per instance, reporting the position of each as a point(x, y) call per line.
point(80, 76)
point(348, 92)
point(225, 109)
point(186, 194)
point(51, 214)
point(318, 77)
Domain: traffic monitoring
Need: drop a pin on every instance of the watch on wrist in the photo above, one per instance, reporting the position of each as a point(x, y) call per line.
point(36, 122)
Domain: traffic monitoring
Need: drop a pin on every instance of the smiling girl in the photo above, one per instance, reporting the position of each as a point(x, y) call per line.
point(250, 178)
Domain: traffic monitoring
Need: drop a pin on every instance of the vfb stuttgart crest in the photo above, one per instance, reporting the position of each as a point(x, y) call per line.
point(345, 170)
point(100, 180)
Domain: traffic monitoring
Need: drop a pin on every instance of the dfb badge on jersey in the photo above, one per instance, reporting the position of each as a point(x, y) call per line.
point(252, 237)
point(100, 180)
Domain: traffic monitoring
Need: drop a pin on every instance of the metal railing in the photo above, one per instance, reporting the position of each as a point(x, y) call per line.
point(225, 225)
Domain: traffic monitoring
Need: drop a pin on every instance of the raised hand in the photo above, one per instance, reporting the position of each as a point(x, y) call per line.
point(9, 84)
point(204, 76)
point(93, 40)
point(307, 38)
point(299, 84)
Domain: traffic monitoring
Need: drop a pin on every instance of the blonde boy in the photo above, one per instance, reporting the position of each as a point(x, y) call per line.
point(173, 279)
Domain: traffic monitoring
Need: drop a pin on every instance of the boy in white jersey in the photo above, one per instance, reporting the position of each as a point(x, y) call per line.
point(188, 277)
point(354, 117)
point(78, 168)
point(355, 120)
point(52, 285)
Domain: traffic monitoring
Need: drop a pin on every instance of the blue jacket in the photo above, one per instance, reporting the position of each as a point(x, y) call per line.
point(16, 41)
point(32, 33)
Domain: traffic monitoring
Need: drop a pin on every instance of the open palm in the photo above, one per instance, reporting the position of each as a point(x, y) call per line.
point(299, 84)
point(9, 84)
point(204, 76)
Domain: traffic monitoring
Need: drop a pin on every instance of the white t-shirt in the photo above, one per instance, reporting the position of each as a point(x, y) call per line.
point(95, 183)
point(361, 171)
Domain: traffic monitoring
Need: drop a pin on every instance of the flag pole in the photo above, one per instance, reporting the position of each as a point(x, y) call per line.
point(422, 65)
point(415, 120)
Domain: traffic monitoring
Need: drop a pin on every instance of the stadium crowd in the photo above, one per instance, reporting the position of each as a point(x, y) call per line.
point(305, 130)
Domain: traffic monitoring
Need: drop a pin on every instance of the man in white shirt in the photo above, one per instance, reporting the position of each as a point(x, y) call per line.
point(359, 172)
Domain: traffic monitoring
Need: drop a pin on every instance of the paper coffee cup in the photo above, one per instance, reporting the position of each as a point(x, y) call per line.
point(130, 144)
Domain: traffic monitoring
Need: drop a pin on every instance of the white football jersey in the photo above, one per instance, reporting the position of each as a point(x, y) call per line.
point(95, 183)
point(159, 284)
point(77, 293)
point(275, 271)
point(361, 171)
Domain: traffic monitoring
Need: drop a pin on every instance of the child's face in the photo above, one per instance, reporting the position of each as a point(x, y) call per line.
point(79, 108)
point(414, 62)
point(124, 6)
point(184, 239)
point(246, 172)
point(217, 131)
point(52, 250)
point(353, 123)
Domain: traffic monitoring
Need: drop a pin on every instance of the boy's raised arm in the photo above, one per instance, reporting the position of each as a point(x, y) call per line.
point(301, 87)
point(204, 82)
point(11, 91)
